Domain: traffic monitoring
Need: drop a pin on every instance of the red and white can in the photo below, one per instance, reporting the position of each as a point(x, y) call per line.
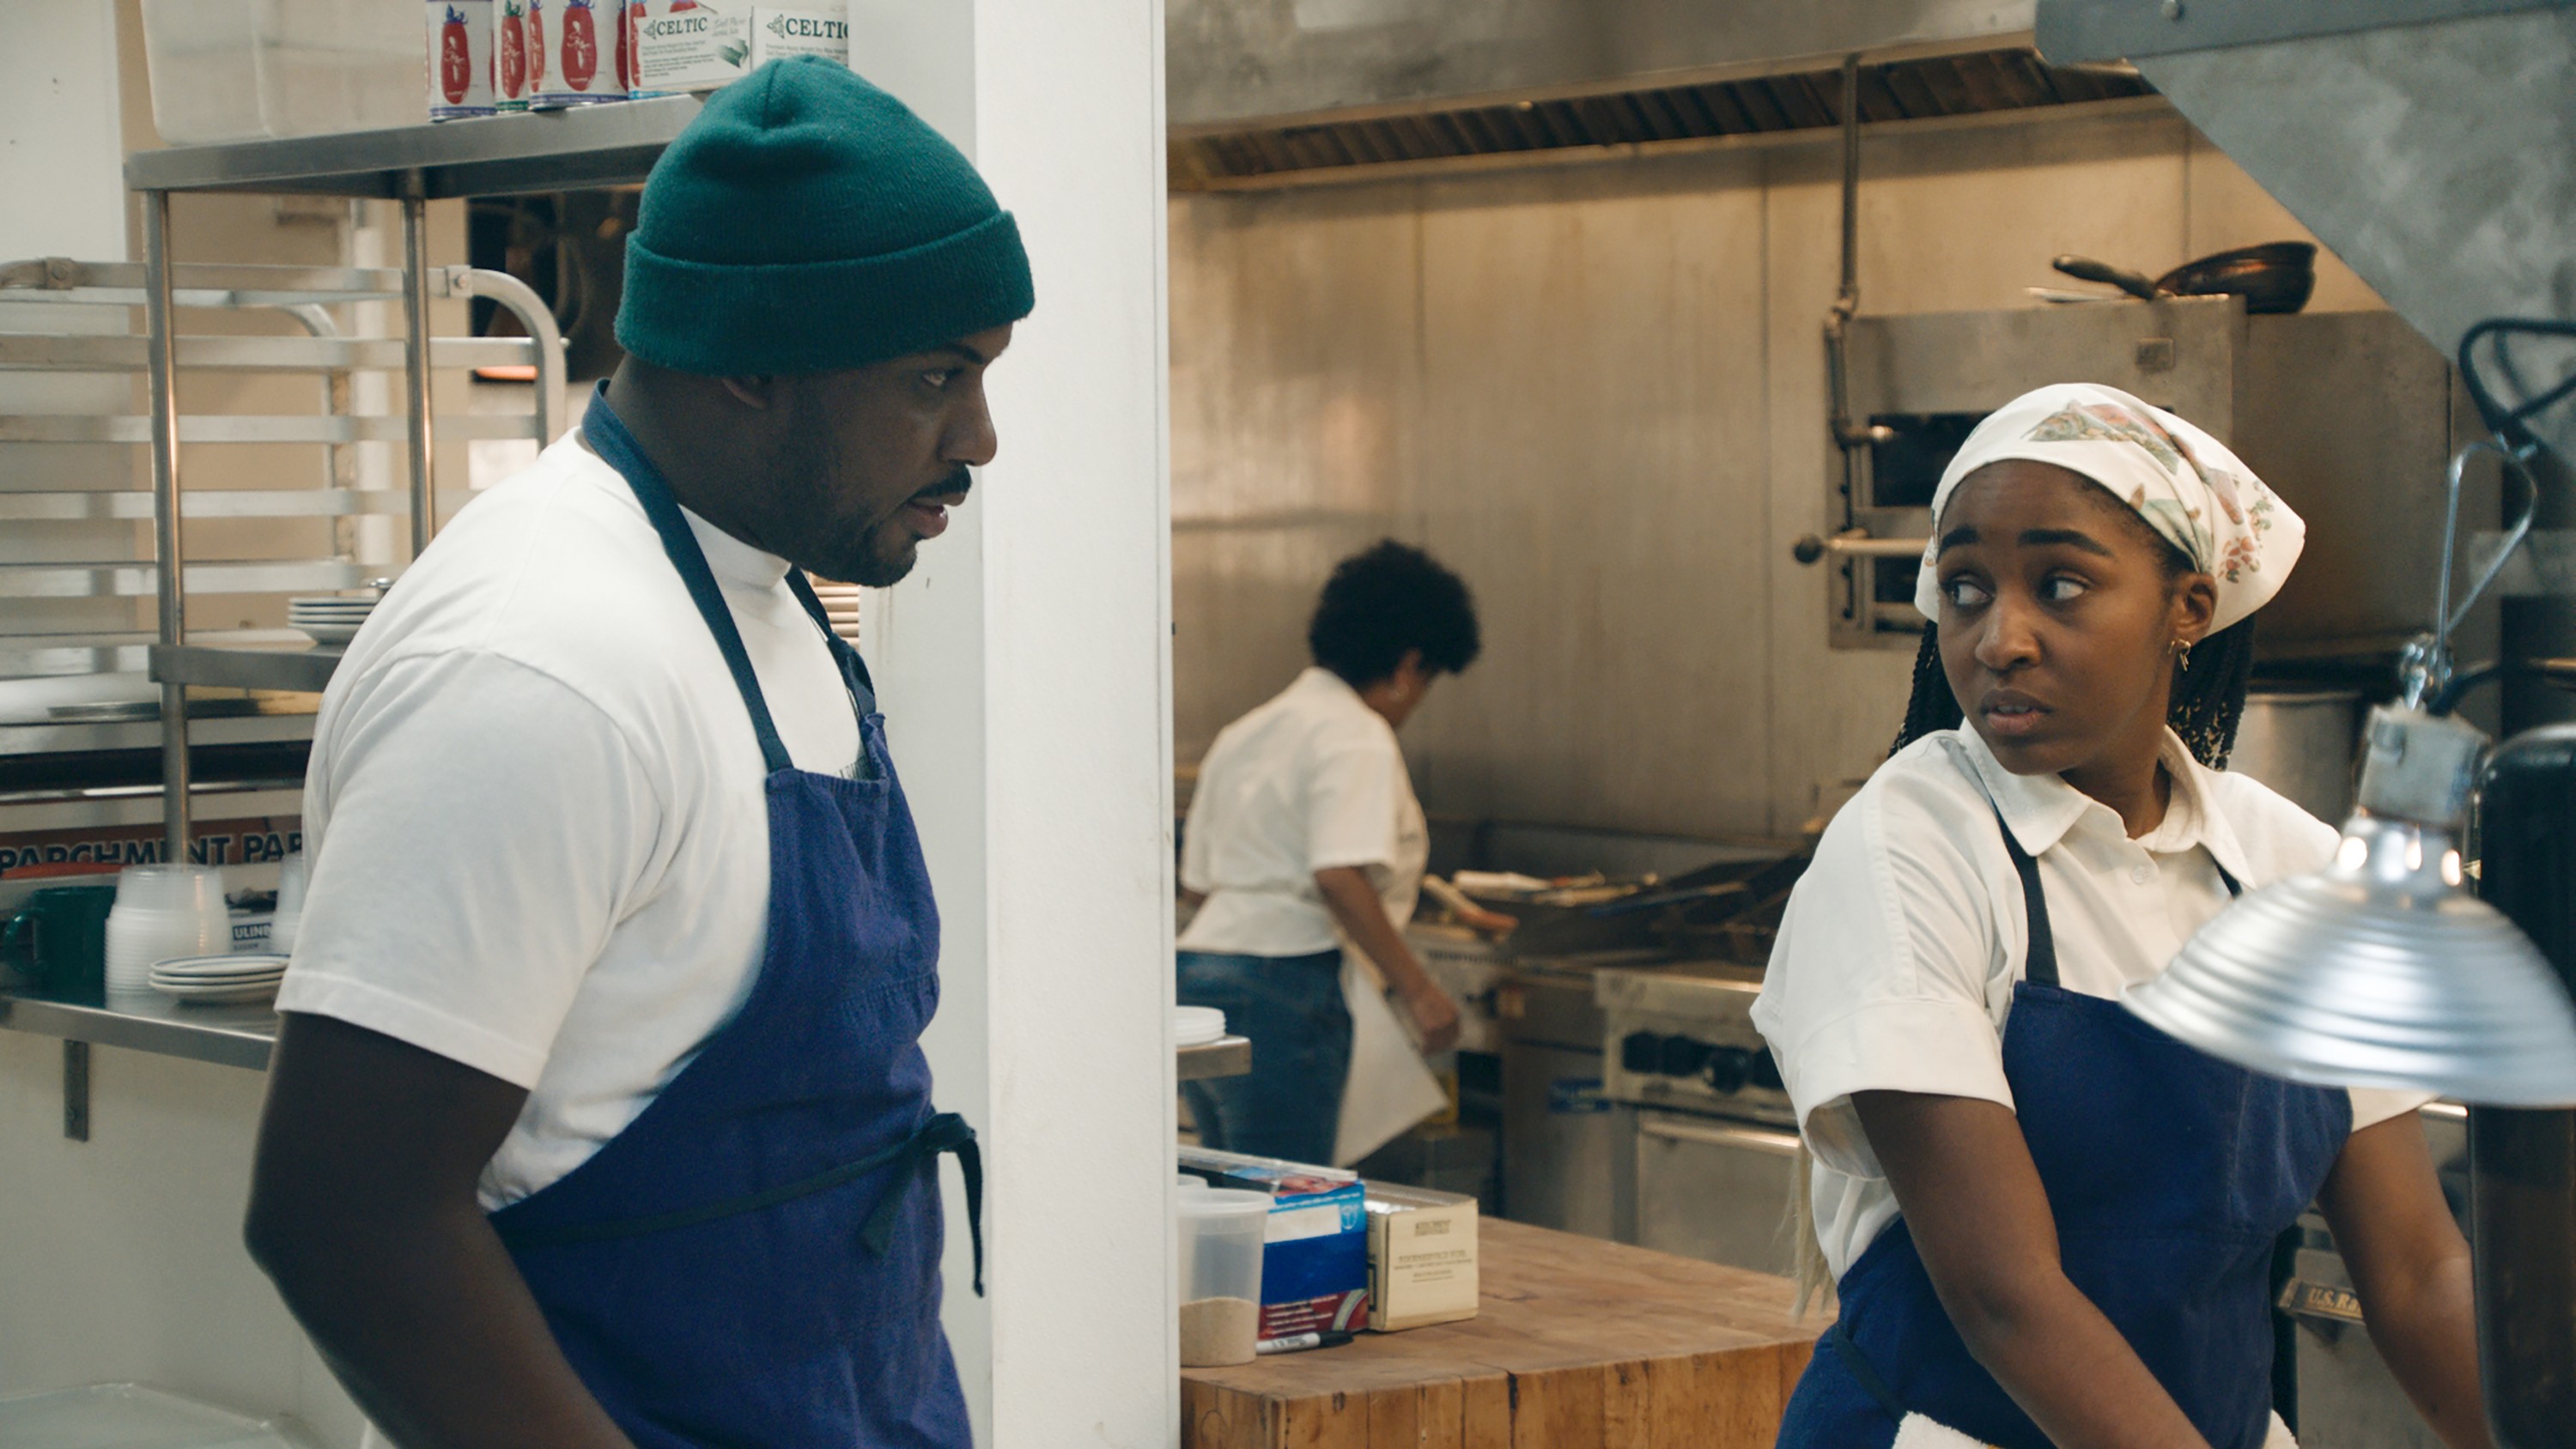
point(460, 59)
point(513, 80)
point(583, 52)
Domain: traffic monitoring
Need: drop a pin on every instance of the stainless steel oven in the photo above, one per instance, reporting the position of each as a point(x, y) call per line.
point(2346, 414)
point(1711, 1188)
point(1704, 1142)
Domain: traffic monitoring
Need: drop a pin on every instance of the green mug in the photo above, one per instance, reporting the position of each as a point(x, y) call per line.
point(58, 939)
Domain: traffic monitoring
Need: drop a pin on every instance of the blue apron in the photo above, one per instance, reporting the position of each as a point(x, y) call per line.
point(755, 1259)
point(2170, 1174)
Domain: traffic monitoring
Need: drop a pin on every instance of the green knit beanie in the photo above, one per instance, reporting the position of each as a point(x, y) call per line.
point(806, 222)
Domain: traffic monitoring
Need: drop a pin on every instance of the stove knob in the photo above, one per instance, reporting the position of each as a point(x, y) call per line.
point(1683, 1057)
point(1726, 1069)
point(1765, 1073)
point(1642, 1052)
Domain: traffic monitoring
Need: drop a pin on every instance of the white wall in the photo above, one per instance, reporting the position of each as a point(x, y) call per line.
point(1025, 675)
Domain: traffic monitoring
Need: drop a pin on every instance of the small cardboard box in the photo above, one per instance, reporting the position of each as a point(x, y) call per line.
point(460, 59)
point(1422, 1257)
point(1314, 1259)
point(699, 45)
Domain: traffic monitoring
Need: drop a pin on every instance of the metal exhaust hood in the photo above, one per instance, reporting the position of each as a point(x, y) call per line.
point(1233, 62)
point(2430, 143)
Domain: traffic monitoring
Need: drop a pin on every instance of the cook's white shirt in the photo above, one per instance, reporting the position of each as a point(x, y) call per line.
point(1895, 965)
point(535, 808)
point(1311, 780)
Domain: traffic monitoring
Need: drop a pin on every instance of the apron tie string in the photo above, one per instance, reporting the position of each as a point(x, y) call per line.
point(944, 1133)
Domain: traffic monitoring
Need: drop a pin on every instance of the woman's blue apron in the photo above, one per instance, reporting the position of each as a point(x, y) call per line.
point(755, 1259)
point(2170, 1174)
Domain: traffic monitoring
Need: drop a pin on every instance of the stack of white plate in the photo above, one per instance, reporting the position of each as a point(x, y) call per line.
point(242, 977)
point(840, 605)
point(1194, 1026)
point(331, 619)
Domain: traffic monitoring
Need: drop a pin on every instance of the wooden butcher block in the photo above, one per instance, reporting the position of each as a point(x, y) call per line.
point(1578, 1344)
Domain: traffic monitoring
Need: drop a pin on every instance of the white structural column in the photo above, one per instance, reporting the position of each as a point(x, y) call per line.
point(1025, 671)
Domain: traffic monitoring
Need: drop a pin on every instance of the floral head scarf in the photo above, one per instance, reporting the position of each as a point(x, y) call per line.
point(2183, 482)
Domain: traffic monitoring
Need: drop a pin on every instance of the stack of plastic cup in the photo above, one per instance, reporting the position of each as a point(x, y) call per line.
point(163, 911)
point(290, 905)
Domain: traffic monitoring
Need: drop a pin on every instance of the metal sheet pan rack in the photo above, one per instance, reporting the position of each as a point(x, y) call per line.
point(587, 147)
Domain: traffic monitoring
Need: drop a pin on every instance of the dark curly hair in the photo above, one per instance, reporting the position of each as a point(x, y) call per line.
point(1386, 600)
point(2208, 689)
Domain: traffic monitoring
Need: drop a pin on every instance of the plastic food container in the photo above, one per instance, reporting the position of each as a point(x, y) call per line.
point(247, 70)
point(1220, 1244)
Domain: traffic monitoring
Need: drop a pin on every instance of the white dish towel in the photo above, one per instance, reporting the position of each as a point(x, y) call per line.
point(1917, 1432)
point(1388, 1088)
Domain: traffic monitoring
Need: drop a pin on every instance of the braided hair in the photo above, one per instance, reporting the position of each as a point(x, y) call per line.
point(2208, 689)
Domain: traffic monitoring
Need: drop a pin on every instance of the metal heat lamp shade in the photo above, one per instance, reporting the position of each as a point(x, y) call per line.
point(2380, 970)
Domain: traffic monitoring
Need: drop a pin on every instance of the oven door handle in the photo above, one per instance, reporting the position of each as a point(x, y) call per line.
point(1753, 1139)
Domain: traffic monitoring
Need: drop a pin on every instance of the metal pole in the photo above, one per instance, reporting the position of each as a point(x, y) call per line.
point(424, 502)
point(162, 358)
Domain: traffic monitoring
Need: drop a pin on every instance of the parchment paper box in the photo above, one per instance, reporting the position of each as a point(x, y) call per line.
point(1422, 1257)
point(1314, 1256)
point(699, 45)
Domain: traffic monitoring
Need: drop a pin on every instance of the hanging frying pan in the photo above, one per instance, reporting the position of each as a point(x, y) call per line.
point(2272, 277)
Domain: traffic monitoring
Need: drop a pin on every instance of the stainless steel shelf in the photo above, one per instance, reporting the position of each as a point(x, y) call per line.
point(261, 428)
point(277, 720)
point(198, 284)
point(96, 505)
point(1227, 1056)
point(604, 145)
point(48, 352)
point(231, 1036)
point(29, 656)
point(303, 670)
point(134, 581)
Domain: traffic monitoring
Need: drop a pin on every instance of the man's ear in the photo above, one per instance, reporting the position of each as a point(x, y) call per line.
point(752, 392)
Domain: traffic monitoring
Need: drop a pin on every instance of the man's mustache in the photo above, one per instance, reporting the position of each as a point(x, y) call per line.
point(951, 489)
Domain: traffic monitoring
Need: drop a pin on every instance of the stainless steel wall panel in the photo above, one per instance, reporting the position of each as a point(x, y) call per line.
point(1594, 439)
point(1296, 378)
point(1599, 393)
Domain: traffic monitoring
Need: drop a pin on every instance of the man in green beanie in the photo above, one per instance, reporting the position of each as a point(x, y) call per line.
point(598, 1116)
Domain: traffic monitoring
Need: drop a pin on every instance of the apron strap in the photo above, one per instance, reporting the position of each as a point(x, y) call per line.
point(1863, 1372)
point(607, 435)
point(2041, 963)
point(854, 670)
point(944, 1133)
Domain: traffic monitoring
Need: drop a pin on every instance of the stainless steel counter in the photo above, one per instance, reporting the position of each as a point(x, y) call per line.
point(232, 1036)
point(244, 1035)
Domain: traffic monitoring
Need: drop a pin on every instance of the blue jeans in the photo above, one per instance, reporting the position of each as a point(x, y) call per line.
point(1291, 1008)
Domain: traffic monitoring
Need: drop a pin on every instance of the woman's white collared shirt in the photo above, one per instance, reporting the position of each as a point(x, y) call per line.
point(1310, 780)
point(1895, 964)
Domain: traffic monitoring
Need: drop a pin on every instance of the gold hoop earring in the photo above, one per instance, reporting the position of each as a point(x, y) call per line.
point(2182, 656)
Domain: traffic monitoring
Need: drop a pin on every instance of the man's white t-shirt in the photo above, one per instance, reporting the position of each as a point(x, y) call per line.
point(1895, 964)
point(536, 811)
point(1311, 780)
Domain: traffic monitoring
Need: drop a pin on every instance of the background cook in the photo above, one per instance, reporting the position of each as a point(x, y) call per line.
point(1304, 833)
point(598, 1116)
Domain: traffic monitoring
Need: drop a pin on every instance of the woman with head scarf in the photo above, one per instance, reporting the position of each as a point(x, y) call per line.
point(2052, 1224)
